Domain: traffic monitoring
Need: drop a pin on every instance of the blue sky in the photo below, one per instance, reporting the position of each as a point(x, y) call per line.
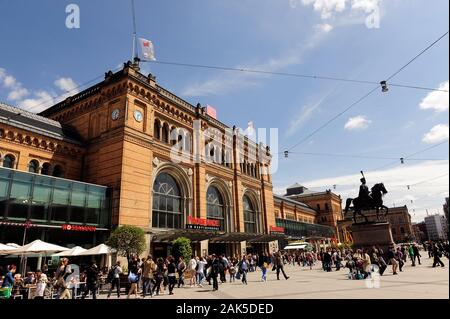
point(41, 59)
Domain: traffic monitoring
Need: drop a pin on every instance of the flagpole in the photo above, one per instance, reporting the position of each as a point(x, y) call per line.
point(134, 55)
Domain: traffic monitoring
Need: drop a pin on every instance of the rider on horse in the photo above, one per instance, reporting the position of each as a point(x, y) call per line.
point(364, 193)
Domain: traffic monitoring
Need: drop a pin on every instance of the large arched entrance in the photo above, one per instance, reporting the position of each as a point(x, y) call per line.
point(167, 203)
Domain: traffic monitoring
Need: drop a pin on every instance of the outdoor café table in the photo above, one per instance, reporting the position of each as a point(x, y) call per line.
point(31, 291)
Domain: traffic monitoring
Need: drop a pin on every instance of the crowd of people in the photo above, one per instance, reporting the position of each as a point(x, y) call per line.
point(148, 277)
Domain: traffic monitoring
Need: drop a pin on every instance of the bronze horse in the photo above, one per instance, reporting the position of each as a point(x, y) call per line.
point(375, 201)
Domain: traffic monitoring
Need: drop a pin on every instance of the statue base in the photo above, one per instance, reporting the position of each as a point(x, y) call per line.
point(367, 235)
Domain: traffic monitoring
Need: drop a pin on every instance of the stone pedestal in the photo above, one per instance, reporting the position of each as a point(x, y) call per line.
point(372, 234)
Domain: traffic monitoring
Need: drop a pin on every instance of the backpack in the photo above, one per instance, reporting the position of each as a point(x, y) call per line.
point(111, 274)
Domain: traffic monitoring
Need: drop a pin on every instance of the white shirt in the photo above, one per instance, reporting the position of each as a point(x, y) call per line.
point(41, 285)
point(201, 266)
point(192, 264)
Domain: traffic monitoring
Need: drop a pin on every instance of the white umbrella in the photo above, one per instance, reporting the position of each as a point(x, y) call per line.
point(13, 245)
point(37, 246)
point(101, 249)
point(75, 251)
point(5, 248)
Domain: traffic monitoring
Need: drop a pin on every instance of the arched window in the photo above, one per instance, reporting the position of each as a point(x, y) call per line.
point(33, 166)
point(8, 161)
point(318, 207)
point(165, 133)
point(215, 206)
point(250, 220)
point(167, 203)
point(157, 130)
point(45, 169)
point(58, 171)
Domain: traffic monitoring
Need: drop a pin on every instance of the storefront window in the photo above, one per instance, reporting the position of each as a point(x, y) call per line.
point(4, 190)
point(42, 191)
point(60, 202)
point(78, 203)
point(94, 205)
point(166, 203)
point(249, 216)
point(215, 206)
point(20, 196)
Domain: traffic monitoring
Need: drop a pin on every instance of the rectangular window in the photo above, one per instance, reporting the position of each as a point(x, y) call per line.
point(20, 195)
point(78, 203)
point(42, 191)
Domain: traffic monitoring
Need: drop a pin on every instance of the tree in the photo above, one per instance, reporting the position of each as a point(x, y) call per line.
point(182, 247)
point(127, 240)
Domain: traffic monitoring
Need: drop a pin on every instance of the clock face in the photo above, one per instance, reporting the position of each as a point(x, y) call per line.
point(138, 116)
point(115, 114)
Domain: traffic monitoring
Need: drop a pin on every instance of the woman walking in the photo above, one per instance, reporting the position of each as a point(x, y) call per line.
point(171, 274)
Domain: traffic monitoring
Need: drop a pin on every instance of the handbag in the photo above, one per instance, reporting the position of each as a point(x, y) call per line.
point(238, 276)
point(132, 278)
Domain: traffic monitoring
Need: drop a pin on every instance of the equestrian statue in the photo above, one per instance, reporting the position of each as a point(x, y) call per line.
point(368, 200)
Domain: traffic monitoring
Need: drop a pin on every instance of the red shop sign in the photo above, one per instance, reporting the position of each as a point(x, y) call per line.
point(80, 228)
point(276, 229)
point(203, 222)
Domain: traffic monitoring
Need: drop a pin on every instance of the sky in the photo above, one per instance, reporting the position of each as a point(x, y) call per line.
point(42, 61)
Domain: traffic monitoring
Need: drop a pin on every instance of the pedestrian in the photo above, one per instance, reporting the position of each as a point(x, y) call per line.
point(41, 284)
point(114, 279)
point(181, 268)
point(412, 255)
point(232, 269)
point(243, 269)
point(92, 274)
point(393, 260)
point(327, 260)
point(417, 253)
point(263, 264)
point(201, 271)
point(192, 270)
point(215, 271)
point(400, 258)
point(171, 274)
point(148, 268)
point(159, 275)
point(279, 265)
point(133, 276)
point(437, 256)
point(62, 273)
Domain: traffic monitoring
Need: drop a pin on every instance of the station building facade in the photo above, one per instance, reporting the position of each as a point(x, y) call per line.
point(144, 157)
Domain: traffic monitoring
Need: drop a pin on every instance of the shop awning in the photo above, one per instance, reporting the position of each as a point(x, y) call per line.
point(193, 235)
point(295, 247)
point(234, 237)
point(267, 238)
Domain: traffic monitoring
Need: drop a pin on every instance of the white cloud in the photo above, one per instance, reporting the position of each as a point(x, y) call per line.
point(436, 100)
point(41, 101)
point(223, 83)
point(359, 122)
point(17, 94)
point(427, 194)
point(66, 84)
point(330, 8)
point(437, 134)
point(324, 27)
point(15, 88)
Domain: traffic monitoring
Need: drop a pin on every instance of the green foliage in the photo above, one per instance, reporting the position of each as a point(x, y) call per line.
point(127, 240)
point(182, 247)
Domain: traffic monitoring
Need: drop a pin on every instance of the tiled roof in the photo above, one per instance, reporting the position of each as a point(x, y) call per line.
point(293, 202)
point(32, 122)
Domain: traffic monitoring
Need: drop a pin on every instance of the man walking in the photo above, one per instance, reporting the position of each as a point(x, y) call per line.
point(437, 256)
point(417, 253)
point(116, 271)
point(280, 266)
point(181, 268)
point(91, 281)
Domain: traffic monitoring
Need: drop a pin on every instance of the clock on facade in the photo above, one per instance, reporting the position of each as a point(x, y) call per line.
point(138, 116)
point(115, 114)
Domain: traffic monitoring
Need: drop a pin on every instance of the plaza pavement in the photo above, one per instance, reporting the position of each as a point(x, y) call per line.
point(420, 282)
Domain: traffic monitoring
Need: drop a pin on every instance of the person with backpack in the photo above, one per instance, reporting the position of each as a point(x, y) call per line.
point(92, 274)
point(159, 275)
point(114, 279)
point(181, 268)
point(399, 256)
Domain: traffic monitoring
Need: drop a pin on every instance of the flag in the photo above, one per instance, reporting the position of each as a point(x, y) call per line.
point(147, 49)
point(211, 111)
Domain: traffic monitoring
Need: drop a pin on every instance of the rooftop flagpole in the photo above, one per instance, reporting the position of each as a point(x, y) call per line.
point(134, 51)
